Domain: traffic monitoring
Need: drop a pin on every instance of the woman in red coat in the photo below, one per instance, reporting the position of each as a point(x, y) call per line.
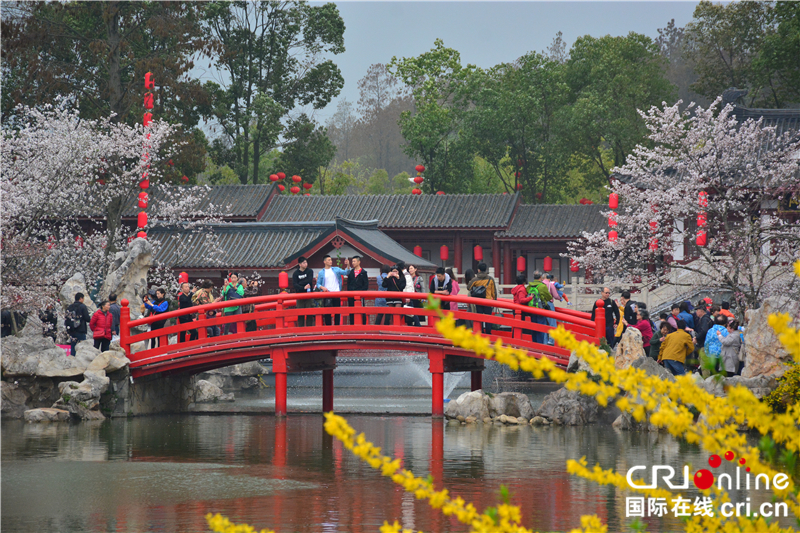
point(102, 324)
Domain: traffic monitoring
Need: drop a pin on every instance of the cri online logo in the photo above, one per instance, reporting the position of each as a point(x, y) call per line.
point(704, 479)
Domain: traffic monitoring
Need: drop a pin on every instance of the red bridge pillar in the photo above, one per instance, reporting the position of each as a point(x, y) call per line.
point(436, 359)
point(279, 368)
point(327, 390)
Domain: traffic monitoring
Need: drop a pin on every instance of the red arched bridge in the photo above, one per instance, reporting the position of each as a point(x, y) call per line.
point(300, 339)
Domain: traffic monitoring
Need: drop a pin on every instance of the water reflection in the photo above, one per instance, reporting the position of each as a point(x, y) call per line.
point(165, 473)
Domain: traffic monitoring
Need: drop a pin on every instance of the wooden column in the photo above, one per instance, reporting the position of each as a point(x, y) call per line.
point(496, 257)
point(508, 268)
point(458, 251)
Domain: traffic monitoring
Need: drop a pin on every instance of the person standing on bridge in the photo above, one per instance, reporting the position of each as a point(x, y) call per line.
point(329, 280)
point(483, 283)
point(395, 282)
point(441, 285)
point(157, 307)
point(205, 296)
point(184, 302)
point(381, 302)
point(303, 282)
point(416, 286)
point(357, 280)
point(612, 315)
point(233, 291)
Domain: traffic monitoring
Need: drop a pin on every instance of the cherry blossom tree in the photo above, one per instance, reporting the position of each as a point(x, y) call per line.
point(65, 185)
point(707, 175)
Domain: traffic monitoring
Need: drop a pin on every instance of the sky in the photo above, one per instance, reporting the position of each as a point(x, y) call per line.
point(484, 33)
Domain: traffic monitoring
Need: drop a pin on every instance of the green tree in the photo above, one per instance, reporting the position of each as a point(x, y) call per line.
point(378, 183)
point(777, 58)
point(610, 80)
point(308, 150)
point(401, 184)
point(438, 85)
point(273, 60)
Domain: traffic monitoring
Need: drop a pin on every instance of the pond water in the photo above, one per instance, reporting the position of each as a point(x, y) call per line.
point(165, 473)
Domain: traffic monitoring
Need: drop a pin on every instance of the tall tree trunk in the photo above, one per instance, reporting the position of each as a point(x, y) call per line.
point(114, 79)
point(113, 223)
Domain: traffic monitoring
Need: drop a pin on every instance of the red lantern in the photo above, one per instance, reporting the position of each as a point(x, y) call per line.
point(418, 251)
point(281, 187)
point(477, 253)
point(444, 253)
point(538, 196)
point(273, 177)
point(653, 244)
point(295, 189)
point(307, 194)
point(419, 168)
point(142, 235)
point(142, 219)
point(149, 81)
point(147, 119)
point(418, 180)
point(78, 241)
point(653, 225)
point(701, 238)
point(281, 176)
point(701, 219)
point(520, 162)
point(519, 186)
point(143, 200)
point(612, 220)
point(440, 193)
point(185, 179)
point(517, 174)
point(548, 264)
point(283, 280)
point(297, 179)
point(101, 181)
point(416, 191)
point(703, 199)
point(148, 101)
point(613, 200)
point(170, 163)
point(612, 236)
point(521, 263)
point(183, 277)
point(144, 184)
point(307, 186)
point(574, 266)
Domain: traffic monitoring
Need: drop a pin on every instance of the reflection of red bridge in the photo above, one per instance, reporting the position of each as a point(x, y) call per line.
point(297, 349)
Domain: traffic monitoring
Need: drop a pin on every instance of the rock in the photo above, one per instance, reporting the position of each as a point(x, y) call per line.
point(503, 419)
point(128, 275)
point(31, 355)
point(511, 403)
point(82, 400)
point(474, 403)
point(250, 369)
point(760, 386)
point(628, 349)
point(46, 414)
point(208, 392)
point(538, 421)
point(651, 367)
point(487, 420)
point(470, 420)
point(461, 418)
point(15, 399)
point(74, 285)
point(249, 383)
point(573, 409)
point(765, 355)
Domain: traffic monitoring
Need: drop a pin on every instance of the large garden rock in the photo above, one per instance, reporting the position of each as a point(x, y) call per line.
point(513, 404)
point(474, 403)
point(47, 414)
point(629, 349)
point(570, 408)
point(37, 355)
point(651, 367)
point(128, 276)
point(74, 285)
point(760, 386)
point(766, 356)
point(15, 399)
point(208, 392)
point(82, 400)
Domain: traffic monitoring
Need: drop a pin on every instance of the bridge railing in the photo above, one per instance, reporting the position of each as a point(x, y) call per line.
point(276, 317)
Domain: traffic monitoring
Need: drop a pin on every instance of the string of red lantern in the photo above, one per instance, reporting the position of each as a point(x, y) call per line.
point(574, 266)
point(613, 203)
point(418, 180)
point(702, 220)
point(144, 183)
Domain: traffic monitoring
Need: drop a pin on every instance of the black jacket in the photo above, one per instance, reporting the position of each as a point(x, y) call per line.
point(301, 279)
point(81, 313)
point(702, 325)
point(360, 282)
point(393, 284)
point(612, 312)
point(185, 301)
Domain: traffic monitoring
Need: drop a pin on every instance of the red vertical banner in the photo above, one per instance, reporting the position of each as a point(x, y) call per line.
point(144, 183)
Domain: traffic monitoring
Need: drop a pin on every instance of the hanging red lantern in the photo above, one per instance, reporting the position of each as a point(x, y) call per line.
point(574, 266)
point(701, 238)
point(653, 244)
point(149, 81)
point(184, 179)
point(416, 191)
point(703, 198)
point(701, 219)
point(273, 177)
point(419, 168)
point(170, 163)
point(281, 187)
point(613, 200)
point(521, 263)
point(440, 193)
point(147, 119)
point(283, 280)
point(653, 225)
point(612, 236)
point(519, 186)
point(444, 252)
point(143, 200)
point(548, 264)
point(612, 220)
point(307, 186)
point(418, 180)
point(183, 277)
point(142, 219)
point(520, 162)
point(295, 189)
point(144, 184)
point(477, 253)
point(281, 176)
point(142, 235)
point(78, 241)
point(101, 181)
point(148, 101)
point(297, 179)
point(307, 194)
point(538, 196)
point(418, 251)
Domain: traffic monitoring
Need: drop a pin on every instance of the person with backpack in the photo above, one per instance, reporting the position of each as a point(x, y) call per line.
point(76, 320)
point(540, 298)
point(521, 297)
point(483, 286)
point(233, 290)
point(102, 326)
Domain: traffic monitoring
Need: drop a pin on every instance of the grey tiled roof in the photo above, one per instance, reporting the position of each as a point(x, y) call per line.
point(491, 211)
point(554, 221)
point(266, 245)
point(240, 201)
point(784, 120)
